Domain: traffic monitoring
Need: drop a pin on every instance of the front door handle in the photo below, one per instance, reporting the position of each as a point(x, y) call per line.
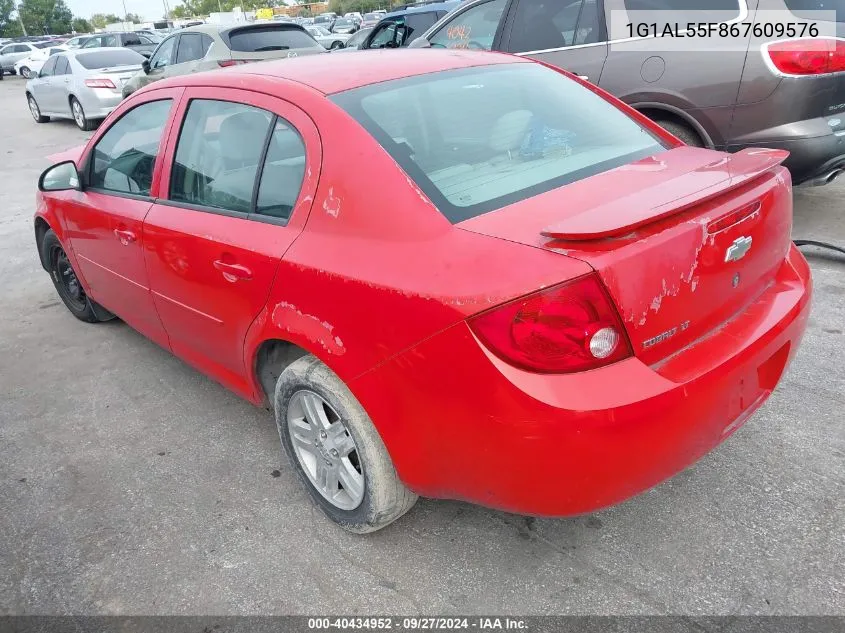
point(233, 272)
point(125, 237)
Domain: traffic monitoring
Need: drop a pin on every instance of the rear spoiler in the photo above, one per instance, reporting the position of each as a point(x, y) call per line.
point(617, 217)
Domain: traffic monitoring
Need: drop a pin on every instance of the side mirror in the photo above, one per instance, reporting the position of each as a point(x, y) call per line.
point(147, 54)
point(145, 66)
point(60, 177)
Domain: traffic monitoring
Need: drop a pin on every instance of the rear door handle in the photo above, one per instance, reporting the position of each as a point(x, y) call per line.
point(233, 272)
point(125, 237)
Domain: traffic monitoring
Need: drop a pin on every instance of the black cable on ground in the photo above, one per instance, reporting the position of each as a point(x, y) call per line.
point(800, 243)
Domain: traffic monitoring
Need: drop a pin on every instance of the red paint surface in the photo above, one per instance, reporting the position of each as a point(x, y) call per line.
point(374, 281)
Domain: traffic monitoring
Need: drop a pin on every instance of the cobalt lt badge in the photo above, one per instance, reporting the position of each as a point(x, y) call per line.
point(738, 249)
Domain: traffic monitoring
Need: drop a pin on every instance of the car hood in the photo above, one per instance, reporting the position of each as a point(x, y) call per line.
point(74, 154)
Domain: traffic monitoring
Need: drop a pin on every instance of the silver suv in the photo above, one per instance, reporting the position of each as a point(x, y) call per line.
point(747, 91)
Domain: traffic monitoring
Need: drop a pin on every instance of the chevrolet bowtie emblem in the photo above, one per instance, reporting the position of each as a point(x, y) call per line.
point(738, 249)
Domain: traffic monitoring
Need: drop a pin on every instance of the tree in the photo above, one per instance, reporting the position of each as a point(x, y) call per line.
point(9, 25)
point(81, 25)
point(46, 16)
point(100, 20)
point(133, 17)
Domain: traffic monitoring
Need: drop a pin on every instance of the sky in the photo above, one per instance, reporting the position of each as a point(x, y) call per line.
point(148, 9)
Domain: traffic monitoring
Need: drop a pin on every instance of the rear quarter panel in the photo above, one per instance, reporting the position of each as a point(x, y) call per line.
point(378, 268)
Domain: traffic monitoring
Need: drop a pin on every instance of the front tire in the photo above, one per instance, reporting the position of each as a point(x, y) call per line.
point(25, 72)
point(67, 283)
point(79, 117)
point(335, 45)
point(335, 449)
point(35, 110)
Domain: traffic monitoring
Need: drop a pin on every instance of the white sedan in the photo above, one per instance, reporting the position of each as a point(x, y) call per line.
point(31, 66)
point(327, 39)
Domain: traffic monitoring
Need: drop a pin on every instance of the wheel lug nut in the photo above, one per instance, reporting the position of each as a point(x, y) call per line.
point(328, 463)
point(323, 434)
point(334, 452)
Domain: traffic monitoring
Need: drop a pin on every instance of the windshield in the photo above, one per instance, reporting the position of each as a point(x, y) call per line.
point(318, 30)
point(477, 139)
point(344, 22)
point(371, 16)
point(110, 58)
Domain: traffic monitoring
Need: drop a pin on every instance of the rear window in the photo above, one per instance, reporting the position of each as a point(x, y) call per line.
point(41, 44)
point(278, 37)
point(804, 8)
point(372, 16)
point(478, 139)
point(108, 59)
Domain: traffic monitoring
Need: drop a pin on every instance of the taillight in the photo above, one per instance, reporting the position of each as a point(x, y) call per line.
point(818, 56)
point(225, 63)
point(99, 83)
point(568, 328)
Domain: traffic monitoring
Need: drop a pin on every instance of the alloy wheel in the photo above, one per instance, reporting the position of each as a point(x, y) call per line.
point(33, 108)
point(78, 114)
point(325, 450)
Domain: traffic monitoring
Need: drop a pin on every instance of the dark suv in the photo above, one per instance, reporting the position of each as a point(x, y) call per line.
point(399, 28)
point(745, 91)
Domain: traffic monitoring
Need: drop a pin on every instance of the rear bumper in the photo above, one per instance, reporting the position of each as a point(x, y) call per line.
point(815, 148)
point(462, 424)
point(99, 102)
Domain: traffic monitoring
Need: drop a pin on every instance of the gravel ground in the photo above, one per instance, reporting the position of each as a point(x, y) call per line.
point(131, 484)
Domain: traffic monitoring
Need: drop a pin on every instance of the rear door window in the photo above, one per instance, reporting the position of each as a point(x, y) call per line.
point(190, 48)
point(123, 161)
point(269, 38)
point(282, 174)
point(683, 11)
point(218, 154)
point(416, 24)
point(550, 24)
point(474, 28)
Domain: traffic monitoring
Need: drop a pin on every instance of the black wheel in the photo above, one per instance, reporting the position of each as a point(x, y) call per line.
point(684, 132)
point(79, 117)
point(25, 72)
point(35, 110)
point(335, 45)
point(335, 449)
point(67, 283)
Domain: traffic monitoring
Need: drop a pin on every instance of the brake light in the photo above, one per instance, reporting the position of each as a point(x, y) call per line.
point(818, 56)
point(225, 63)
point(568, 328)
point(99, 83)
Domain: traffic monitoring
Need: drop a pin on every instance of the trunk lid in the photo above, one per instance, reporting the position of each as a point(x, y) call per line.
point(118, 74)
point(683, 240)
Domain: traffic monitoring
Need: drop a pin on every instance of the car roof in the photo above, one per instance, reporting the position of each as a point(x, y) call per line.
point(426, 8)
point(211, 29)
point(330, 74)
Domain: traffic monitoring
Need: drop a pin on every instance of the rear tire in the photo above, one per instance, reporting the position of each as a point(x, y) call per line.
point(82, 121)
point(335, 45)
point(366, 492)
point(684, 132)
point(67, 283)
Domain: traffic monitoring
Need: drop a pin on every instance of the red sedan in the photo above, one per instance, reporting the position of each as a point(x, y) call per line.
point(453, 274)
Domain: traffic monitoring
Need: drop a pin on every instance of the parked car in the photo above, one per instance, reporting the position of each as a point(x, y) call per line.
point(326, 39)
point(29, 66)
point(371, 19)
point(325, 20)
point(751, 92)
point(15, 51)
point(572, 306)
point(211, 46)
point(84, 84)
point(143, 44)
point(399, 28)
point(354, 42)
point(345, 26)
point(77, 42)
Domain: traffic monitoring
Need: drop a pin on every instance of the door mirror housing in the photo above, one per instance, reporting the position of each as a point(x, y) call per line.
point(145, 66)
point(60, 177)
